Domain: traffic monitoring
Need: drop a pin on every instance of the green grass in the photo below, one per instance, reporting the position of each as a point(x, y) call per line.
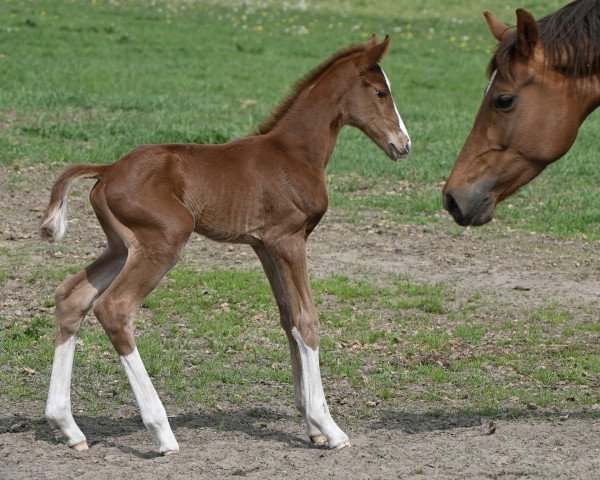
point(214, 338)
point(89, 81)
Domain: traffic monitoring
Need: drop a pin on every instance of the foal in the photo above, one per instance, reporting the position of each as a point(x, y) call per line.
point(267, 190)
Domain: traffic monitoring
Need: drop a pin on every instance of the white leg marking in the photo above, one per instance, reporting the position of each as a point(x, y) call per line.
point(151, 409)
point(317, 411)
point(58, 406)
point(400, 122)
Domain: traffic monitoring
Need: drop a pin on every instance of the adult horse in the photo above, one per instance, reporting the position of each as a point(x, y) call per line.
point(544, 82)
point(267, 190)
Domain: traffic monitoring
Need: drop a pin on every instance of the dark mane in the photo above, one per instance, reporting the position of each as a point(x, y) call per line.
point(299, 86)
point(571, 40)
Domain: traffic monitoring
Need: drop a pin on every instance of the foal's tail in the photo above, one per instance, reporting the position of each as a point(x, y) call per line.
point(54, 222)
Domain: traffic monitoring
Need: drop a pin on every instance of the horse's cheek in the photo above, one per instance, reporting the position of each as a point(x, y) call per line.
point(498, 135)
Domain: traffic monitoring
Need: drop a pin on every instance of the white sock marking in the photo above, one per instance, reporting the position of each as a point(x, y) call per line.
point(317, 411)
point(152, 411)
point(58, 406)
point(400, 122)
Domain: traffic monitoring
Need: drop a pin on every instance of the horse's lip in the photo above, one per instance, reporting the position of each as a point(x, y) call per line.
point(476, 220)
point(395, 153)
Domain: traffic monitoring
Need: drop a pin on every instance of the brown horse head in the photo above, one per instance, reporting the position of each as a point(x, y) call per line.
point(350, 88)
point(370, 106)
point(543, 84)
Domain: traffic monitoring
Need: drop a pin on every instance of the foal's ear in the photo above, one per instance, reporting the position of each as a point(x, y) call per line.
point(528, 32)
point(372, 41)
point(373, 53)
point(498, 29)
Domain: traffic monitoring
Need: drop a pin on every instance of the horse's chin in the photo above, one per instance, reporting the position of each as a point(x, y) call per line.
point(474, 221)
point(480, 220)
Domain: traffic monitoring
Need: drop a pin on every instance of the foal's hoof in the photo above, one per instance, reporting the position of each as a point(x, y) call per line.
point(81, 446)
point(318, 439)
point(169, 452)
point(342, 445)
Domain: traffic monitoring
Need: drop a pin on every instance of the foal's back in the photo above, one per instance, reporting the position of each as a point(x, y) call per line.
point(234, 191)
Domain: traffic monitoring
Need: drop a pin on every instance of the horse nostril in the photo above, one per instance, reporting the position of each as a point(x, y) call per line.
point(407, 147)
point(451, 205)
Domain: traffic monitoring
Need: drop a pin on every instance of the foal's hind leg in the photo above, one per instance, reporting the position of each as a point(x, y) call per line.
point(152, 252)
point(73, 300)
point(115, 310)
point(285, 263)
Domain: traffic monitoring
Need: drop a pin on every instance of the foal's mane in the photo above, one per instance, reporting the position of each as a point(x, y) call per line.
point(284, 107)
point(570, 37)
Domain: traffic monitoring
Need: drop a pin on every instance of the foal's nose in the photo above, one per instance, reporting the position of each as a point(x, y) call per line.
point(400, 151)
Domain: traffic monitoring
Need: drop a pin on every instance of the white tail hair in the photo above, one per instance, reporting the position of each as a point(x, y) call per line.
point(54, 222)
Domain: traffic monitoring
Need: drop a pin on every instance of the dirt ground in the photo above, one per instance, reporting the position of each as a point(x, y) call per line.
point(519, 268)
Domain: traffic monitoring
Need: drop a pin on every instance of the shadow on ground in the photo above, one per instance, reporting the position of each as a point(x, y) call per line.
point(269, 424)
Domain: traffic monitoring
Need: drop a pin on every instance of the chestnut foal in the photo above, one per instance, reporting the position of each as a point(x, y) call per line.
point(267, 190)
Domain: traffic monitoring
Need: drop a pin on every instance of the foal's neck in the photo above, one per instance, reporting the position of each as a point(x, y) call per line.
point(310, 129)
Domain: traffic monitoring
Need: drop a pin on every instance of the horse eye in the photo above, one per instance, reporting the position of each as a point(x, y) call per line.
point(381, 94)
point(505, 102)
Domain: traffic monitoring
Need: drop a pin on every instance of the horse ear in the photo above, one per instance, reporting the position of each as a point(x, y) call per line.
point(528, 32)
point(372, 41)
point(498, 29)
point(372, 54)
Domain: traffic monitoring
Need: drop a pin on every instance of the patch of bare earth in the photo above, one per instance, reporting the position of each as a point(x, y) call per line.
point(268, 441)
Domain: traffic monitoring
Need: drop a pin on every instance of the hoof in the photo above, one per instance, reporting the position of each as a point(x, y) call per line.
point(169, 452)
point(342, 445)
point(318, 439)
point(81, 446)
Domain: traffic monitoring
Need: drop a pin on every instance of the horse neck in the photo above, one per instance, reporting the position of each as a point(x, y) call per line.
point(588, 95)
point(310, 129)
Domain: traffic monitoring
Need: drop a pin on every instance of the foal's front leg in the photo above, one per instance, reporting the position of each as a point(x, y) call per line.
point(291, 287)
point(272, 272)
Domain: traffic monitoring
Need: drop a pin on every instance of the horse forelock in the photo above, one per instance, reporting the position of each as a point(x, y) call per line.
point(570, 38)
point(304, 82)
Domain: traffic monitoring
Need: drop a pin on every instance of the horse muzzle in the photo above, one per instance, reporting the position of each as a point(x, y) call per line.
point(475, 208)
point(397, 153)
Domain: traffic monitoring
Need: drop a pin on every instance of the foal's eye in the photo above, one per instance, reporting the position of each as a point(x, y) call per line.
point(381, 94)
point(505, 102)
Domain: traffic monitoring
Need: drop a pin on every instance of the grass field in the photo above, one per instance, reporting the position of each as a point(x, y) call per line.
point(89, 81)
point(206, 342)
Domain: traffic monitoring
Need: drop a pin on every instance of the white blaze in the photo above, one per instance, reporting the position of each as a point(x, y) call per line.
point(492, 78)
point(400, 122)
